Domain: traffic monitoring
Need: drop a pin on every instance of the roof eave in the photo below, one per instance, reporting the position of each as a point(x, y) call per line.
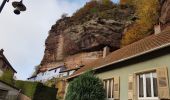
point(121, 60)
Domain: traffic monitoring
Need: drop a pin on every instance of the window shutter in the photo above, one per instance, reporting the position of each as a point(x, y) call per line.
point(162, 80)
point(130, 87)
point(116, 88)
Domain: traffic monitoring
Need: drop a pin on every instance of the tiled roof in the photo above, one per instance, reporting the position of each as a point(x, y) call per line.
point(143, 46)
point(2, 56)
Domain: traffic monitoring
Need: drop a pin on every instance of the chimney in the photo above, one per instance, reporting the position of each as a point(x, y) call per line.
point(106, 51)
point(1, 51)
point(157, 28)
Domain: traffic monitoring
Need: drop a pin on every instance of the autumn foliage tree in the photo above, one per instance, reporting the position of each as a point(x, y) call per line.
point(147, 12)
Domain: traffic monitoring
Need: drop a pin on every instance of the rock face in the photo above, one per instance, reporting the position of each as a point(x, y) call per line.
point(91, 36)
point(86, 39)
point(165, 13)
point(75, 40)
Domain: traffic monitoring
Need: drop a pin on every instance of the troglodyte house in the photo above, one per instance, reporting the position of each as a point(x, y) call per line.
point(139, 71)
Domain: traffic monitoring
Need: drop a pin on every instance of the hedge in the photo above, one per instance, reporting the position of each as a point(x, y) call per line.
point(36, 91)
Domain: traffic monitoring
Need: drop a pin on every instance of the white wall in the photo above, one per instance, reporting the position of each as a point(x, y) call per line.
point(1, 72)
point(44, 76)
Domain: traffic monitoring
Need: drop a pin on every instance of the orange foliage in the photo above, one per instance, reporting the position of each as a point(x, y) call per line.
point(147, 12)
point(123, 2)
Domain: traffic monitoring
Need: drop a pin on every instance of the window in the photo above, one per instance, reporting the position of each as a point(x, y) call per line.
point(109, 87)
point(147, 86)
point(3, 94)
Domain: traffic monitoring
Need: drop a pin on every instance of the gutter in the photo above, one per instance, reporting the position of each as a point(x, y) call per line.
point(121, 60)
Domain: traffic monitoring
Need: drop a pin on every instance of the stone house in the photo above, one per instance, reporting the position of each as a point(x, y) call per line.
point(4, 64)
point(7, 91)
point(139, 71)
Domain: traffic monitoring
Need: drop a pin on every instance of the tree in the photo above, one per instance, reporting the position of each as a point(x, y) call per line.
point(36, 68)
point(64, 15)
point(86, 87)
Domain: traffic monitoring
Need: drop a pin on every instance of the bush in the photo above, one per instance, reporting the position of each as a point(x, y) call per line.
point(86, 87)
point(36, 91)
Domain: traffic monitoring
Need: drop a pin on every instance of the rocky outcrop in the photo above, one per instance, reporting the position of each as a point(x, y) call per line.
point(69, 36)
point(88, 37)
point(165, 13)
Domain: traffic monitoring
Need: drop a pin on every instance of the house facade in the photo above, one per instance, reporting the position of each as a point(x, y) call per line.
point(139, 71)
point(8, 92)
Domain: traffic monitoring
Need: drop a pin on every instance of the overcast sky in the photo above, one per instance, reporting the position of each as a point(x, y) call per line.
point(23, 36)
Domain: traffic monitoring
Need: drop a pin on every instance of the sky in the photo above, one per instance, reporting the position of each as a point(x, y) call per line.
point(23, 36)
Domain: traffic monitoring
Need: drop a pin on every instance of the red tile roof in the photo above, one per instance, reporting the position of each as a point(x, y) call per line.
point(146, 45)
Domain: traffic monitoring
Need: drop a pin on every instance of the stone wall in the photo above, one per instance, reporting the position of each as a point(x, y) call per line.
point(82, 58)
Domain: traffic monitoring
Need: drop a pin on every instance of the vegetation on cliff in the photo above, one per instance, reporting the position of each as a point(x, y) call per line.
point(147, 12)
point(93, 9)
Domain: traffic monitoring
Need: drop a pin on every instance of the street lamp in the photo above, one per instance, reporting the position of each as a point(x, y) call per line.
point(19, 6)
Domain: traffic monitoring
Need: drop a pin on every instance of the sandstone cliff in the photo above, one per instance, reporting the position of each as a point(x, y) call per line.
point(80, 39)
point(165, 13)
point(99, 27)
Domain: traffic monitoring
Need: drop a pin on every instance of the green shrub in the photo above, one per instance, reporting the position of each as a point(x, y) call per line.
point(86, 87)
point(7, 77)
